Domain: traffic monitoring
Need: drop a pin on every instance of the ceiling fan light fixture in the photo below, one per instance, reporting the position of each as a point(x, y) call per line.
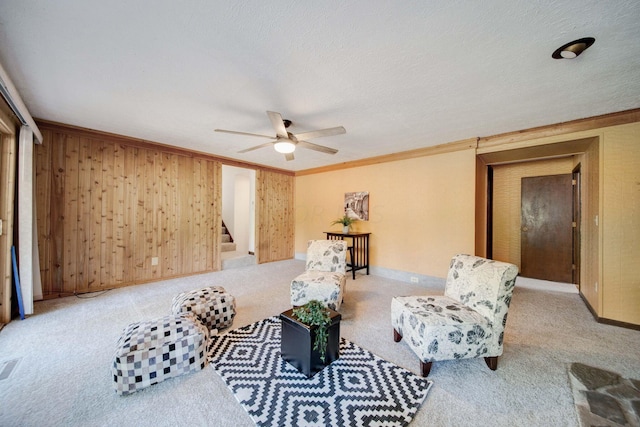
point(284, 147)
point(573, 49)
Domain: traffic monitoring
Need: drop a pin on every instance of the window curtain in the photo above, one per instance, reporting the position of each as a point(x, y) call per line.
point(28, 256)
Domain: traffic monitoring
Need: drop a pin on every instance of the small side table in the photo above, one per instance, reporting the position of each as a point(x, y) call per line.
point(359, 251)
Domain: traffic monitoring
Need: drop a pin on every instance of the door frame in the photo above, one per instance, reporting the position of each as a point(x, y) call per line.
point(489, 248)
point(577, 218)
point(489, 223)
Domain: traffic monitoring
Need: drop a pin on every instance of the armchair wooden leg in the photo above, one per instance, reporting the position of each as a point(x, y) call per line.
point(492, 362)
point(396, 336)
point(425, 368)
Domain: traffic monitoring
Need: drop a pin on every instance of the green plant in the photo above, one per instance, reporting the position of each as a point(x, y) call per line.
point(314, 313)
point(345, 220)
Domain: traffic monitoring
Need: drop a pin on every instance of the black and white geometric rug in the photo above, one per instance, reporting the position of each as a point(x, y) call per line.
point(359, 389)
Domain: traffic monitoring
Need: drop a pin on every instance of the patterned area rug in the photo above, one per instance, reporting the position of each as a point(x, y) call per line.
point(359, 389)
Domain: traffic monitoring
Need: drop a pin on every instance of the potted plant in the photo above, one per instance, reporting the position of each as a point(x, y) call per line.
point(310, 337)
point(346, 222)
point(314, 313)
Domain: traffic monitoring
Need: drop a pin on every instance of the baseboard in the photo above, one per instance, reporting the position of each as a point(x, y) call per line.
point(545, 285)
point(618, 323)
point(409, 277)
point(608, 321)
point(401, 276)
point(586, 302)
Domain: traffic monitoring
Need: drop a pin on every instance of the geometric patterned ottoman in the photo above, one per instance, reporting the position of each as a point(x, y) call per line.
point(213, 306)
point(152, 351)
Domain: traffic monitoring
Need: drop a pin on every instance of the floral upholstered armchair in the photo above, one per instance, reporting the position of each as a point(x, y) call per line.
point(325, 275)
point(467, 322)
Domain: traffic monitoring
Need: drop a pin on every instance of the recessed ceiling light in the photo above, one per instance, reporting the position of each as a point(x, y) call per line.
point(573, 49)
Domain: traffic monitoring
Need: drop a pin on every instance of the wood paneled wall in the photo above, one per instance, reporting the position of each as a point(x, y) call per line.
point(106, 208)
point(275, 224)
point(8, 155)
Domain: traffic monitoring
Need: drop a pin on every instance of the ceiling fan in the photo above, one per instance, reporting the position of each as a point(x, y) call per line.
point(286, 142)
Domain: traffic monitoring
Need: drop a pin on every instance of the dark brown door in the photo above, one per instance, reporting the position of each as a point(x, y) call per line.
point(546, 228)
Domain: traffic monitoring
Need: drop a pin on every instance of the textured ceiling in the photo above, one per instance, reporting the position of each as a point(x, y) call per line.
point(397, 75)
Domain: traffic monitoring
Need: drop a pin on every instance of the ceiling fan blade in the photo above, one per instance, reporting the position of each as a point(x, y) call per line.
point(288, 156)
point(321, 148)
point(243, 133)
point(278, 124)
point(266, 144)
point(322, 132)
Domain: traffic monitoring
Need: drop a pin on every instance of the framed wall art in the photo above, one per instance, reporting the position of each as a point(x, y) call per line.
point(356, 205)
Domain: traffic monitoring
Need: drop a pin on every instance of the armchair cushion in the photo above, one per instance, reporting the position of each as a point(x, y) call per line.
point(468, 321)
point(439, 328)
point(319, 285)
point(324, 278)
point(327, 255)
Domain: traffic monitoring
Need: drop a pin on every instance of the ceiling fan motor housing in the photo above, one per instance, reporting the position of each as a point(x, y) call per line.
point(285, 142)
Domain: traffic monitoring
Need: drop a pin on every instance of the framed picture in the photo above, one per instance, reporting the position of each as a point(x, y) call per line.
point(356, 205)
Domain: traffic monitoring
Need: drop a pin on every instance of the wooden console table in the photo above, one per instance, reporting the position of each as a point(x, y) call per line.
point(359, 251)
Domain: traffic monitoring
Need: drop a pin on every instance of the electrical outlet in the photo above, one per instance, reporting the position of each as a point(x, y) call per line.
point(414, 279)
point(596, 286)
point(154, 260)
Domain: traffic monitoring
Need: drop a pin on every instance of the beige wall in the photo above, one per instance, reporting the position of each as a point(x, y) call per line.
point(621, 224)
point(610, 226)
point(421, 209)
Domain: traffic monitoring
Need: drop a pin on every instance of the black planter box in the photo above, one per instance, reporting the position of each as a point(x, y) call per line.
point(296, 344)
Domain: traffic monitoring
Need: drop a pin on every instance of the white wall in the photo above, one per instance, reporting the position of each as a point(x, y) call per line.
point(238, 206)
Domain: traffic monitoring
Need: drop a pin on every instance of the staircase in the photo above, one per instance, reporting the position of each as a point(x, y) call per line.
point(231, 258)
point(227, 240)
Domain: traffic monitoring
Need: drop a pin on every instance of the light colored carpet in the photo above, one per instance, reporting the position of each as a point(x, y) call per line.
point(64, 351)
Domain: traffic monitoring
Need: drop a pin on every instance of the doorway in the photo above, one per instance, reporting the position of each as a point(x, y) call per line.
point(546, 233)
point(498, 193)
point(238, 215)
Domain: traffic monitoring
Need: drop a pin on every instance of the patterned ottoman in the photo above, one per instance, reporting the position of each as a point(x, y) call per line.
point(213, 306)
point(152, 351)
